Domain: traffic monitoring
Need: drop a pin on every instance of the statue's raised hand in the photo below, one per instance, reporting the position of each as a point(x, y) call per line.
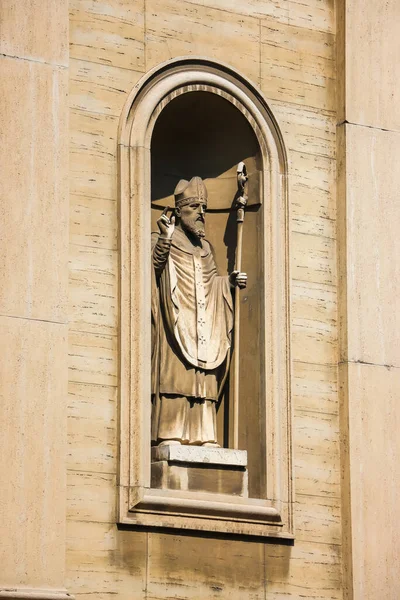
point(236, 278)
point(166, 225)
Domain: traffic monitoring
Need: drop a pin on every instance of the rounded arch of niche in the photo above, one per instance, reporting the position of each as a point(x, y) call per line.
point(270, 513)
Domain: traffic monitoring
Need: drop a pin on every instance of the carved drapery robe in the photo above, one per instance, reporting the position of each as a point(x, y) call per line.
point(192, 321)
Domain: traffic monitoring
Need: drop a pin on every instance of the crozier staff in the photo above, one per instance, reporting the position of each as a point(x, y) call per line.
point(192, 322)
point(240, 204)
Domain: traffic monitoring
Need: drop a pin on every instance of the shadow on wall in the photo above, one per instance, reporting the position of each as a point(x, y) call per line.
point(199, 564)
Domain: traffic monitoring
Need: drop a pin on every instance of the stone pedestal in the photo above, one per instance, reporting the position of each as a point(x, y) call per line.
point(199, 469)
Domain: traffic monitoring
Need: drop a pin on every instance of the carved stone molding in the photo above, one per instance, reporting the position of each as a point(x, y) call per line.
point(139, 504)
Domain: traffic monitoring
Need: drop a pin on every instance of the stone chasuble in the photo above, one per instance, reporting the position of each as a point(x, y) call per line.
point(192, 322)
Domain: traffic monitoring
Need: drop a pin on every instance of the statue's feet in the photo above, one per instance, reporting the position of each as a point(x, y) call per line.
point(211, 445)
point(170, 443)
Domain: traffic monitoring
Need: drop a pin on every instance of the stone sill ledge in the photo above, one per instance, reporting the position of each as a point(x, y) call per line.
point(214, 513)
point(34, 594)
point(214, 506)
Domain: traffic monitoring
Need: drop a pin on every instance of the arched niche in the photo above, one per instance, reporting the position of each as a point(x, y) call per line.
point(194, 117)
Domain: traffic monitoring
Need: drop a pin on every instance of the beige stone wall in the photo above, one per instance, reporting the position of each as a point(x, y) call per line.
point(288, 50)
point(369, 225)
point(33, 297)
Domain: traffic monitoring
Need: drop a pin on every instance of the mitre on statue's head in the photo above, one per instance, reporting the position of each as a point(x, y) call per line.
point(186, 191)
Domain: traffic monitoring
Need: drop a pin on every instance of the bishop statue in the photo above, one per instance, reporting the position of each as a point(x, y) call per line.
point(192, 323)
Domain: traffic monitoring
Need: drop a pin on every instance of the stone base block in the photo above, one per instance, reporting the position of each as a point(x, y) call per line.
point(197, 469)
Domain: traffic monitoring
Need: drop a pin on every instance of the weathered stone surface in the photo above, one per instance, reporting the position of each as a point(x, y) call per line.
point(312, 194)
point(306, 130)
point(33, 297)
point(316, 454)
point(307, 569)
point(313, 259)
point(318, 519)
point(109, 33)
point(315, 387)
point(93, 290)
point(35, 208)
point(371, 466)
point(33, 380)
point(201, 469)
point(37, 31)
point(92, 358)
point(313, 15)
point(277, 9)
point(192, 567)
point(93, 154)
point(314, 327)
point(93, 222)
point(372, 47)
point(198, 454)
point(298, 65)
point(91, 496)
point(202, 31)
point(372, 286)
point(199, 477)
point(92, 428)
point(100, 88)
point(102, 560)
point(368, 224)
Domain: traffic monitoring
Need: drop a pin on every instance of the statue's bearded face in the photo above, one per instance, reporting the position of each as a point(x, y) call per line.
point(192, 217)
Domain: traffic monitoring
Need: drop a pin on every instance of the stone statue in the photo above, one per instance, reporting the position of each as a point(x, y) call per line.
point(192, 323)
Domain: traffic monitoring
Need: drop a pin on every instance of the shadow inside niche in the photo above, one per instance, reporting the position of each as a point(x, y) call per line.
point(203, 134)
point(198, 133)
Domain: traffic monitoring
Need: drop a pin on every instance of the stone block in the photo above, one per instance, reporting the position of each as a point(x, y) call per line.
point(93, 222)
point(100, 88)
point(199, 477)
point(92, 358)
point(35, 30)
point(371, 246)
point(110, 33)
point(307, 570)
point(313, 259)
point(34, 155)
point(101, 559)
point(315, 387)
point(372, 47)
point(201, 455)
point(93, 290)
point(316, 454)
point(314, 327)
point(306, 130)
point(313, 15)
point(92, 428)
point(91, 497)
point(181, 29)
point(298, 65)
point(33, 380)
point(198, 469)
point(312, 194)
point(318, 519)
point(93, 154)
point(193, 567)
point(371, 447)
point(275, 9)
